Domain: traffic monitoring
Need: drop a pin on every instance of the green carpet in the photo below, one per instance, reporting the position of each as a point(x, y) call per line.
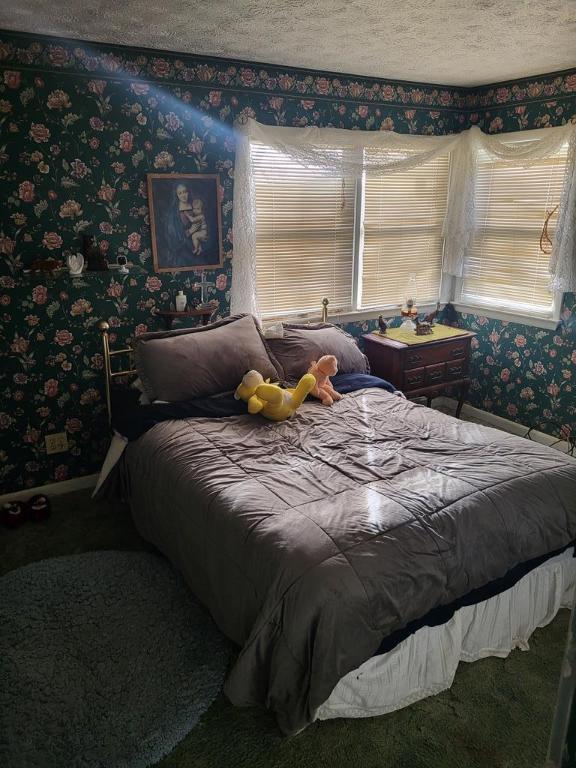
point(497, 714)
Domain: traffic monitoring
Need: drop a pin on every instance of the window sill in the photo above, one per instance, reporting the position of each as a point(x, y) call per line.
point(510, 317)
point(373, 314)
point(351, 316)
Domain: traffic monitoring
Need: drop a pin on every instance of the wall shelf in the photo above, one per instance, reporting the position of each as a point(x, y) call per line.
point(169, 315)
point(28, 274)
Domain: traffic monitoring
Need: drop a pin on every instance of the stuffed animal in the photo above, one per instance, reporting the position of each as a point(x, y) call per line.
point(270, 400)
point(247, 387)
point(322, 369)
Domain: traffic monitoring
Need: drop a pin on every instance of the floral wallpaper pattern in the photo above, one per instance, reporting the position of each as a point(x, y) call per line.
point(81, 126)
point(526, 374)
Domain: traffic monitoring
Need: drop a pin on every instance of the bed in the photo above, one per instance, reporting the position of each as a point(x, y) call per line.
point(357, 553)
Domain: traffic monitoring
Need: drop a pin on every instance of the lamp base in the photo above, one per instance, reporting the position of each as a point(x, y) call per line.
point(408, 324)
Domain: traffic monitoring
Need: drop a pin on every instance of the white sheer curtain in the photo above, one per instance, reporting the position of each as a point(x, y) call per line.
point(355, 153)
point(460, 218)
point(338, 152)
point(563, 258)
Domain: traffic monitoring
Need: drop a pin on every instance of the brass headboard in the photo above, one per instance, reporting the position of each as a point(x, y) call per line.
point(109, 374)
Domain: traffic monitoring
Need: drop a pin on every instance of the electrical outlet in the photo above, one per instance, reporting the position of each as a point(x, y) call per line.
point(56, 443)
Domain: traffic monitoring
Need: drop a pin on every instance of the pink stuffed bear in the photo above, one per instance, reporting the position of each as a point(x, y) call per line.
point(326, 366)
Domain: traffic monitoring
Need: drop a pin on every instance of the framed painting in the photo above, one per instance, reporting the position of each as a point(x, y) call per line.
point(185, 221)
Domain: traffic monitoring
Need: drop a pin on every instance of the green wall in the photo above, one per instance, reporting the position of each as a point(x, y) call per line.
point(80, 127)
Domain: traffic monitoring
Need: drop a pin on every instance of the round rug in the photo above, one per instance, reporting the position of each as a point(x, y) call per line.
point(106, 660)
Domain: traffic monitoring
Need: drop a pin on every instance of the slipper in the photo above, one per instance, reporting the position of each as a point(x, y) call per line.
point(13, 514)
point(38, 507)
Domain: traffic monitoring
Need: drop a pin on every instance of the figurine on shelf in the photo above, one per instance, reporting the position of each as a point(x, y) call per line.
point(431, 318)
point(213, 304)
point(382, 325)
point(93, 257)
point(423, 328)
point(46, 265)
point(180, 301)
point(75, 264)
point(201, 285)
point(122, 262)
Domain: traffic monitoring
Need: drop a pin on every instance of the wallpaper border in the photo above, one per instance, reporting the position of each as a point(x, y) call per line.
point(63, 55)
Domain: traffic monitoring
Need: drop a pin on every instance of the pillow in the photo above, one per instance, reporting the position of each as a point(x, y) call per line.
point(203, 361)
point(301, 344)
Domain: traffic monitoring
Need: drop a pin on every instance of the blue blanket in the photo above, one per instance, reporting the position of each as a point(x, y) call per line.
point(132, 420)
point(352, 382)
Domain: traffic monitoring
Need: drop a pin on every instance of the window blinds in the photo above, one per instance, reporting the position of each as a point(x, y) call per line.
point(403, 217)
point(506, 268)
point(304, 235)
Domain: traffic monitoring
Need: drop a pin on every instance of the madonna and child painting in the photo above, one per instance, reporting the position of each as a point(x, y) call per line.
point(185, 221)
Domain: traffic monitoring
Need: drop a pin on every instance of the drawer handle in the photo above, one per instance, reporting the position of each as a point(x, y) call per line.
point(458, 352)
point(415, 359)
point(455, 369)
point(413, 379)
point(436, 375)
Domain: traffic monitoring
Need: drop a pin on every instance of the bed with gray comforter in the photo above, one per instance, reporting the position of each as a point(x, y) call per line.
point(313, 539)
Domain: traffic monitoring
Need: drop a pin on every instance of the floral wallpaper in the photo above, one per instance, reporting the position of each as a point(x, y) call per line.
point(524, 373)
point(80, 127)
point(525, 104)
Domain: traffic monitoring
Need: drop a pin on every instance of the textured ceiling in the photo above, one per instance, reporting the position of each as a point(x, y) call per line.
point(453, 42)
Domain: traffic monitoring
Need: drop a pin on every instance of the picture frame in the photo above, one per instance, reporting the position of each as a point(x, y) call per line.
point(185, 221)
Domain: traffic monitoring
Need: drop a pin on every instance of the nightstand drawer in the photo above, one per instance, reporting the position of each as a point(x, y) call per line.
point(434, 374)
point(456, 369)
point(422, 355)
point(459, 350)
point(415, 358)
point(414, 378)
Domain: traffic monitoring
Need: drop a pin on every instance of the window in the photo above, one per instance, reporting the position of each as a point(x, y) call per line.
point(304, 235)
point(355, 242)
point(403, 217)
point(358, 241)
point(506, 270)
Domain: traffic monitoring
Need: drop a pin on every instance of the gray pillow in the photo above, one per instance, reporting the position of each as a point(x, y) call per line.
point(301, 344)
point(203, 361)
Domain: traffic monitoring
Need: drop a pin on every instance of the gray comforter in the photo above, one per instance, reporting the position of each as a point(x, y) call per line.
point(311, 540)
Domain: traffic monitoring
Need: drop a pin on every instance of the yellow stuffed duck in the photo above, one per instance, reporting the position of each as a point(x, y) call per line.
point(270, 400)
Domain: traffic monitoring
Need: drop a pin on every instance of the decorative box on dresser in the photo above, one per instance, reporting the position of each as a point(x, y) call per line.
point(424, 369)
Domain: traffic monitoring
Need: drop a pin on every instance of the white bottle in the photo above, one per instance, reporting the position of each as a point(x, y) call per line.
point(180, 301)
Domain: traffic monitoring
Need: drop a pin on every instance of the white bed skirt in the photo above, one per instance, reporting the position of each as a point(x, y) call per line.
point(425, 663)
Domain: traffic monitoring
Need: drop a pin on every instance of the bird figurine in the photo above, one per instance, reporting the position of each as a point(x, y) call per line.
point(431, 318)
point(449, 314)
point(382, 325)
point(423, 328)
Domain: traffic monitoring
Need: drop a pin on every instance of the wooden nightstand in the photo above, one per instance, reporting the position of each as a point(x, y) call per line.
point(422, 369)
